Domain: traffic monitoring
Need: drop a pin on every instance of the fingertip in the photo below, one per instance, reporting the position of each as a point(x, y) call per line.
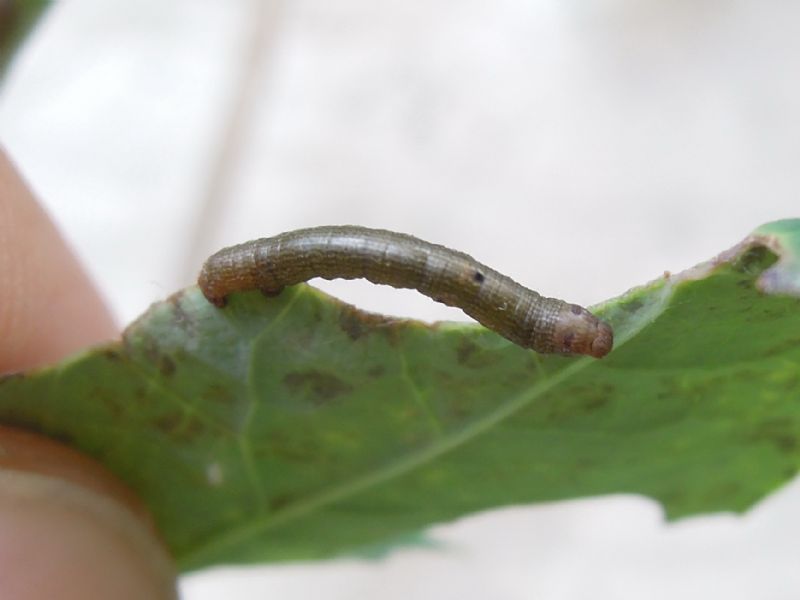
point(49, 308)
point(66, 530)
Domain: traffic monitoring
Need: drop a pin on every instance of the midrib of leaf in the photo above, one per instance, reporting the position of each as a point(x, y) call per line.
point(243, 441)
point(252, 399)
point(436, 426)
point(217, 545)
point(397, 468)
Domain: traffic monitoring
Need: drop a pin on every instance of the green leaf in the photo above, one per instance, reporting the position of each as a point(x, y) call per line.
point(17, 18)
point(298, 427)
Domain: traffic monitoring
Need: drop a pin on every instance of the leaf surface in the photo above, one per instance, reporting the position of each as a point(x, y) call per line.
point(298, 427)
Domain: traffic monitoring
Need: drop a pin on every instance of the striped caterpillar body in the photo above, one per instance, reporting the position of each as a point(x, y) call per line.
point(546, 325)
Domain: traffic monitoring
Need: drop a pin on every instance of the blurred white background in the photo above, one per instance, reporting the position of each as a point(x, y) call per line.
point(581, 148)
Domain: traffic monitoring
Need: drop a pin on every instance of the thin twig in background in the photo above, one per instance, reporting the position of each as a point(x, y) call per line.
point(263, 18)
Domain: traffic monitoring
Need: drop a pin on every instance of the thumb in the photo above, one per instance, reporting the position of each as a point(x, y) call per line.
point(69, 530)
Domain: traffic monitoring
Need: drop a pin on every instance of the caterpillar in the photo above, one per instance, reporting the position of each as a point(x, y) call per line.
point(546, 325)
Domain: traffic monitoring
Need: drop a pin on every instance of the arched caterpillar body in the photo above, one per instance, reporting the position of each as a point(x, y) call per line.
point(546, 325)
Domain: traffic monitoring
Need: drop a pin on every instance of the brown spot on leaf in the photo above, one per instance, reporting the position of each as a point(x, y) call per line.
point(166, 366)
point(219, 394)
point(376, 371)
point(597, 401)
point(143, 396)
point(179, 426)
point(151, 350)
point(783, 347)
point(579, 401)
point(280, 501)
point(472, 356)
point(111, 401)
point(168, 422)
point(782, 433)
point(754, 260)
point(180, 317)
point(465, 351)
point(113, 353)
point(632, 306)
point(357, 324)
point(319, 386)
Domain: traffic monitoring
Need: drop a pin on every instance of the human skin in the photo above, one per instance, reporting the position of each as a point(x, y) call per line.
point(68, 528)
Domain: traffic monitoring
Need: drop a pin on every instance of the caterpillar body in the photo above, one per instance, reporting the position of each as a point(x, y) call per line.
point(546, 325)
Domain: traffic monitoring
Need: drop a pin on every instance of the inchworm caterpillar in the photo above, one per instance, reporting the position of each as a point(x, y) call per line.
point(498, 302)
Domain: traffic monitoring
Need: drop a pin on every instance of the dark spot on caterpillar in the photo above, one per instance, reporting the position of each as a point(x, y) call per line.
point(320, 387)
point(271, 293)
point(403, 261)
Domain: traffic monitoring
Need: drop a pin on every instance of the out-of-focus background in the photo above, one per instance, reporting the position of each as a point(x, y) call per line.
point(582, 148)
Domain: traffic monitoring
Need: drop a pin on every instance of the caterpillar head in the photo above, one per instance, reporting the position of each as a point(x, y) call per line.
point(578, 331)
